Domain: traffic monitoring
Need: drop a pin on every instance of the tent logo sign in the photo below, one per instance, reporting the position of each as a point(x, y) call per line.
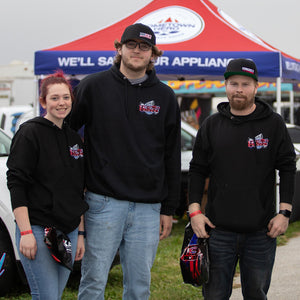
point(173, 24)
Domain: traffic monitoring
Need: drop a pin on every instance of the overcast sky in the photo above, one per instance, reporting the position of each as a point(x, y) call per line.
point(30, 25)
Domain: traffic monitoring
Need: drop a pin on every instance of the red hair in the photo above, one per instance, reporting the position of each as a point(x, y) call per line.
point(57, 78)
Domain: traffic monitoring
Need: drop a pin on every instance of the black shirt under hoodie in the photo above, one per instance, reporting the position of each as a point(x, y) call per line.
point(132, 138)
point(46, 174)
point(240, 154)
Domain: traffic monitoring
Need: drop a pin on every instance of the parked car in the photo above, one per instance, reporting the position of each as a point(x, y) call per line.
point(9, 258)
point(188, 136)
point(294, 132)
point(9, 116)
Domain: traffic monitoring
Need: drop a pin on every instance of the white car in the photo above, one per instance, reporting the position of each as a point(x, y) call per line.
point(188, 136)
point(9, 116)
point(9, 258)
point(294, 132)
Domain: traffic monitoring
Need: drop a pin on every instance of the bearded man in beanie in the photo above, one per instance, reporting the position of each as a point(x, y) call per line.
point(238, 149)
point(132, 138)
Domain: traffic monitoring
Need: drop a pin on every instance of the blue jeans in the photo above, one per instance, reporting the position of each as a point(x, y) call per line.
point(46, 278)
point(112, 224)
point(256, 254)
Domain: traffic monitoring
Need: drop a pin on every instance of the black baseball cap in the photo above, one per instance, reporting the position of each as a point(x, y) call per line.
point(241, 66)
point(139, 31)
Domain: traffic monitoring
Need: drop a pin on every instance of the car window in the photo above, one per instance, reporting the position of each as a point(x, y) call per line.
point(4, 144)
point(187, 141)
point(294, 134)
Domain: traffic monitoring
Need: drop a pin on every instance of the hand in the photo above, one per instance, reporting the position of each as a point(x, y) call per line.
point(198, 223)
point(277, 226)
point(166, 223)
point(28, 246)
point(80, 248)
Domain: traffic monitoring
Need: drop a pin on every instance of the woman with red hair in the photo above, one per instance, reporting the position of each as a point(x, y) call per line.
point(46, 182)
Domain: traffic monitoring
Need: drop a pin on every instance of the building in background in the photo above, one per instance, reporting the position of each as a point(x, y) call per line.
point(17, 84)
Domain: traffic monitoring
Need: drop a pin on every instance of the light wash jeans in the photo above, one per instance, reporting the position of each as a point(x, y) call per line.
point(112, 224)
point(255, 253)
point(46, 278)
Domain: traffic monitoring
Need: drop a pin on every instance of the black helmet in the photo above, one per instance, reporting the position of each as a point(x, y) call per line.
point(59, 246)
point(194, 260)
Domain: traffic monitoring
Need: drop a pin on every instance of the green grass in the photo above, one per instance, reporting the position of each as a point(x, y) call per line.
point(166, 282)
point(292, 231)
point(166, 276)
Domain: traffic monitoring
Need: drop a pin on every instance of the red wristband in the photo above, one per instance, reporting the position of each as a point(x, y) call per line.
point(26, 232)
point(197, 212)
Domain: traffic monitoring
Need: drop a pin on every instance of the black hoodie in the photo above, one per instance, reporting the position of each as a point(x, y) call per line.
point(132, 138)
point(240, 154)
point(46, 174)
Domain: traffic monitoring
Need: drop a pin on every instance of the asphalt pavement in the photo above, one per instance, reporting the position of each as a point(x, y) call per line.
point(285, 284)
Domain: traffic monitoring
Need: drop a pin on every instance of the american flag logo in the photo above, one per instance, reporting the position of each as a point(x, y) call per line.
point(245, 69)
point(146, 35)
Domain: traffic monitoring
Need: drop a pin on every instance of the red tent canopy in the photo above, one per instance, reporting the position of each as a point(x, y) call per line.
point(198, 40)
point(217, 34)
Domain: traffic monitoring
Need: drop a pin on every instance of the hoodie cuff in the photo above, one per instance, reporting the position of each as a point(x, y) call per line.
point(167, 210)
point(18, 197)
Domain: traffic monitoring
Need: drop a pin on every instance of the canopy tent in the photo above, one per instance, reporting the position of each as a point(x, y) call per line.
point(198, 40)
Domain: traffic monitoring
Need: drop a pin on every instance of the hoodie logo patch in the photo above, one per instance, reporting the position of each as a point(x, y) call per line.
point(259, 142)
point(76, 152)
point(149, 108)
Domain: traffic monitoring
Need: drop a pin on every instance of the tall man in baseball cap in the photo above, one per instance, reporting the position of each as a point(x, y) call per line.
point(132, 139)
point(239, 148)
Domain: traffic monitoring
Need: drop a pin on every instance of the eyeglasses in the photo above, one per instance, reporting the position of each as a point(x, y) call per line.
point(142, 45)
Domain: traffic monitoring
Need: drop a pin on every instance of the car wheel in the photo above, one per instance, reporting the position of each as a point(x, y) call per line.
point(8, 270)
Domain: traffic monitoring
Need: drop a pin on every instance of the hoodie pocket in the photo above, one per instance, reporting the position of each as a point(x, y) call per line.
point(238, 208)
point(138, 177)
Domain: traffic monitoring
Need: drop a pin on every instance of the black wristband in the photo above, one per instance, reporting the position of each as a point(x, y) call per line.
point(285, 212)
point(82, 233)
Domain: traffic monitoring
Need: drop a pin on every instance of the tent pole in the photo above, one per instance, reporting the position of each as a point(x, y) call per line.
point(278, 110)
point(36, 101)
point(292, 121)
point(278, 95)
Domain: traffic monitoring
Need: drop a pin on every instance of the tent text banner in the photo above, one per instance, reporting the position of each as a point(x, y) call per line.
point(173, 63)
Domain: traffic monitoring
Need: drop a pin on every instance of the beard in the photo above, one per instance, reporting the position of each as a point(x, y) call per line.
point(132, 67)
point(241, 103)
